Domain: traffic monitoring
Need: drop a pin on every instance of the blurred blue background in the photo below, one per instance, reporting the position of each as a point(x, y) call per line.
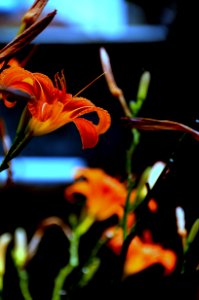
point(138, 36)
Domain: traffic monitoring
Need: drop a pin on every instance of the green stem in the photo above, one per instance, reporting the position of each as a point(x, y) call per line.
point(130, 182)
point(17, 146)
point(130, 151)
point(59, 281)
point(74, 248)
point(66, 270)
point(23, 283)
point(1, 285)
point(81, 229)
point(126, 210)
point(74, 256)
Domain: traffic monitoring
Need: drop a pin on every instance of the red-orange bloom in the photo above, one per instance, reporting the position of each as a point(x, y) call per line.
point(51, 107)
point(105, 195)
point(141, 254)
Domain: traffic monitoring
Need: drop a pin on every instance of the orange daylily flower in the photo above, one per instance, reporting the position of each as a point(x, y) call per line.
point(51, 107)
point(105, 195)
point(141, 254)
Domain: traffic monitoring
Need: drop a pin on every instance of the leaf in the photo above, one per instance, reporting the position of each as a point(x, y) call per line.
point(17, 146)
point(192, 234)
point(89, 271)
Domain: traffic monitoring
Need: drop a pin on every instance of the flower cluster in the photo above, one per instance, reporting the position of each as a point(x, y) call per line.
point(119, 208)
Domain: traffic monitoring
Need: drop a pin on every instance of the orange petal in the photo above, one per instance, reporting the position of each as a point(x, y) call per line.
point(82, 106)
point(46, 85)
point(116, 240)
point(8, 103)
point(81, 187)
point(104, 120)
point(87, 131)
point(143, 255)
point(19, 78)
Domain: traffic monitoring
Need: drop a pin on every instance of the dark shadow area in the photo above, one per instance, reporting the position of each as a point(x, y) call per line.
point(172, 96)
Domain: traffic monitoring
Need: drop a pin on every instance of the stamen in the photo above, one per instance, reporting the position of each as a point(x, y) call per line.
point(89, 84)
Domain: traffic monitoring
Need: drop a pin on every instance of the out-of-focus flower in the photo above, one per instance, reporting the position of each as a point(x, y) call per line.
point(141, 255)
point(105, 195)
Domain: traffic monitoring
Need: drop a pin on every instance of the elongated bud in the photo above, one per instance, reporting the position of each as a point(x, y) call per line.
point(106, 65)
point(155, 172)
point(20, 247)
point(4, 241)
point(143, 85)
point(180, 217)
point(32, 14)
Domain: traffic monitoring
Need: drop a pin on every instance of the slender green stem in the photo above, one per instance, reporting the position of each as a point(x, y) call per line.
point(23, 283)
point(74, 248)
point(74, 256)
point(1, 286)
point(130, 182)
point(81, 229)
point(59, 281)
point(66, 270)
point(130, 151)
point(126, 210)
point(187, 242)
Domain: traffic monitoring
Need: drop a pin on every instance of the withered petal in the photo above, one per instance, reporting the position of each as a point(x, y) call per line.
point(25, 37)
point(154, 125)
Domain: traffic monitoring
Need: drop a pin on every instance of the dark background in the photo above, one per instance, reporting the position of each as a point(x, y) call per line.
point(172, 95)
